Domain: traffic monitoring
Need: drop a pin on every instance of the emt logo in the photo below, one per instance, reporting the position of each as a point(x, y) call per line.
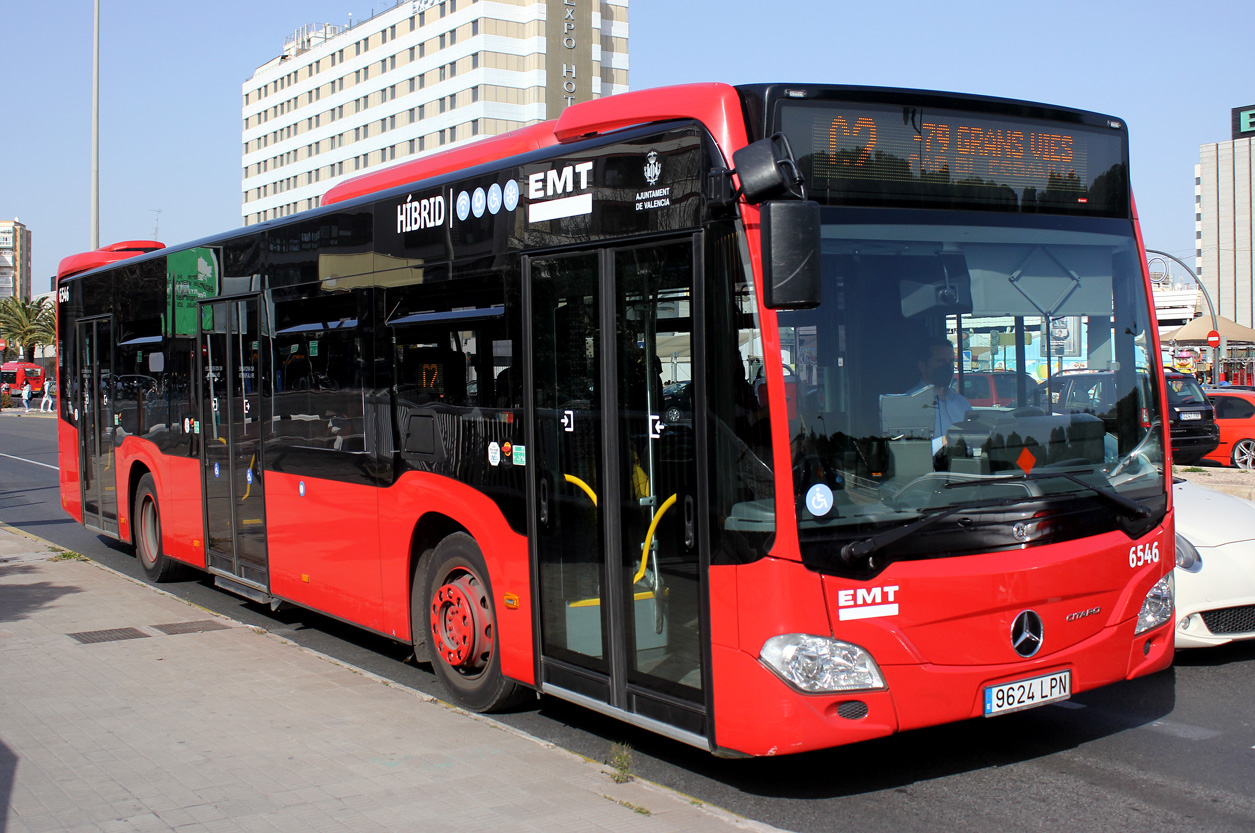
point(543, 185)
point(867, 602)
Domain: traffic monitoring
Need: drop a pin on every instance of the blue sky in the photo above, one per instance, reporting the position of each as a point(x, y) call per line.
point(171, 76)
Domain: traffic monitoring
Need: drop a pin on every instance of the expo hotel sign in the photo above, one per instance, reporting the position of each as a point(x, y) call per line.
point(568, 42)
point(568, 53)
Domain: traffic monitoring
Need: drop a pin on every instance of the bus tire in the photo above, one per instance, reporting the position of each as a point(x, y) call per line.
point(420, 627)
point(157, 565)
point(461, 627)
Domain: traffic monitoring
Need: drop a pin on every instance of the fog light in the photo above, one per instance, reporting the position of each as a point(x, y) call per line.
point(1157, 608)
point(1185, 623)
point(818, 664)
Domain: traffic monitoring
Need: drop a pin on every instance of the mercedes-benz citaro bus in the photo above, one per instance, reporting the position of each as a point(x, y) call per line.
point(655, 408)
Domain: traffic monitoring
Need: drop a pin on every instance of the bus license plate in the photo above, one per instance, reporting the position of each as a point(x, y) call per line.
point(1027, 694)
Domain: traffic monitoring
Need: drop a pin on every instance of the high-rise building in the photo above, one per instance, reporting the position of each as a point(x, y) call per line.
point(1224, 219)
point(422, 76)
point(15, 260)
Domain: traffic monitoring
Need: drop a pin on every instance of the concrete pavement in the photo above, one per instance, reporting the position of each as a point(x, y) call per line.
point(123, 708)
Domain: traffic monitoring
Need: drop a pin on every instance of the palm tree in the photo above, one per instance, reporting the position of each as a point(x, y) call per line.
point(28, 324)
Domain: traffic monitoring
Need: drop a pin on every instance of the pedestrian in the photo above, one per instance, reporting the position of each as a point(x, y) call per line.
point(26, 395)
point(46, 403)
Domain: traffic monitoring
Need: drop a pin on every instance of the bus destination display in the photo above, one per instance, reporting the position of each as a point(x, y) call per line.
point(940, 158)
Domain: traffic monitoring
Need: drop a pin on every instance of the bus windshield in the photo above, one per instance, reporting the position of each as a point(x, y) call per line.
point(928, 383)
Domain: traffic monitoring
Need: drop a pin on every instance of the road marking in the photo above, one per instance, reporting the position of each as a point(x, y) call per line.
point(1183, 730)
point(32, 462)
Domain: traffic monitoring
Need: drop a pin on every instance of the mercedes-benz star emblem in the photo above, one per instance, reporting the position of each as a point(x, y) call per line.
point(1026, 633)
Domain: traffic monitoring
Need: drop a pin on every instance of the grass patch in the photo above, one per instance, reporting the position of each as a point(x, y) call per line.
point(66, 555)
point(635, 808)
point(620, 762)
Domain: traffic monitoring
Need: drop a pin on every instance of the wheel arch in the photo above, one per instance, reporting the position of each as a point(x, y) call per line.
point(134, 476)
point(429, 530)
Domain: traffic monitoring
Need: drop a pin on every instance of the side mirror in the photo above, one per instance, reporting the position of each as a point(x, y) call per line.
point(768, 170)
point(792, 270)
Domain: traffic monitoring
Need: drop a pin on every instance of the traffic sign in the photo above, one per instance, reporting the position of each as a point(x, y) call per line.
point(1213, 339)
point(4, 344)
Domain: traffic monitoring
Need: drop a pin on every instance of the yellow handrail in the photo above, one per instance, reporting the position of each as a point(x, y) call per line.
point(649, 536)
point(570, 478)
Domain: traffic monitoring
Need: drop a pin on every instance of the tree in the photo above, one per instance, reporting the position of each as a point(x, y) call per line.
point(28, 324)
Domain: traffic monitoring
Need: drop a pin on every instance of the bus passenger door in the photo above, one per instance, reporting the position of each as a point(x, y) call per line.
point(231, 418)
point(615, 485)
point(96, 424)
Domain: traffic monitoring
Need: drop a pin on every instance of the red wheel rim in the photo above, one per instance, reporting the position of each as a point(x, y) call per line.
point(461, 624)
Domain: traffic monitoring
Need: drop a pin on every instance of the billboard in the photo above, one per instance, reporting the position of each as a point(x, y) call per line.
point(1244, 122)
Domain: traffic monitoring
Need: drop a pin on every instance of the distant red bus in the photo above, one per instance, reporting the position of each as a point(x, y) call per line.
point(646, 408)
point(14, 374)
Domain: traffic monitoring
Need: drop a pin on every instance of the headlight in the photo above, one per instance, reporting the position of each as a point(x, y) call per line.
point(1157, 608)
point(817, 664)
point(1188, 558)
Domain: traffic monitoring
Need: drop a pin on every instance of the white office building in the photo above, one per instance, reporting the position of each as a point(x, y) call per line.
point(421, 76)
point(1224, 219)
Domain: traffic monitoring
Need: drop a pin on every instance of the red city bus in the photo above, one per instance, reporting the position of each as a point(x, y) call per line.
point(14, 374)
point(650, 408)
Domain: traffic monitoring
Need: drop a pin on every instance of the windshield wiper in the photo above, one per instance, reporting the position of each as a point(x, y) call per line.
point(1132, 508)
point(864, 551)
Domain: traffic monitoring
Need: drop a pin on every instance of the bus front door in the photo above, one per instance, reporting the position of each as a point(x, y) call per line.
point(231, 417)
point(615, 486)
point(96, 424)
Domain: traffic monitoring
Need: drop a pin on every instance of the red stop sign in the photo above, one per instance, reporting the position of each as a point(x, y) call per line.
point(1213, 339)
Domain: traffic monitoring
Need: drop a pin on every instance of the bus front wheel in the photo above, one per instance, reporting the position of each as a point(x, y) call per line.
point(462, 628)
point(157, 565)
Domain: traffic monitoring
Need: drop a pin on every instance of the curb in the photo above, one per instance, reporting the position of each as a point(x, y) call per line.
point(726, 816)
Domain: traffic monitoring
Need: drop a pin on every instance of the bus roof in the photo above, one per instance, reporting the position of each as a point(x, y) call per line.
point(717, 106)
point(83, 261)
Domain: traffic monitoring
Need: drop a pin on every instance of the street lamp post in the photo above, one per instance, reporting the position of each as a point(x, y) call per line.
point(1215, 351)
point(95, 230)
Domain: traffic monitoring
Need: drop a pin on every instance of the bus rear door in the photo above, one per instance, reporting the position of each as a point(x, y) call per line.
point(96, 424)
point(231, 418)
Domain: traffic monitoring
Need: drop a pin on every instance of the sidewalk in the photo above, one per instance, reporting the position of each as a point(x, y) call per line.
point(123, 708)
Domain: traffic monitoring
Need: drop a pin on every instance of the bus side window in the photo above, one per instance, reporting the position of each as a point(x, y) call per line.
point(319, 372)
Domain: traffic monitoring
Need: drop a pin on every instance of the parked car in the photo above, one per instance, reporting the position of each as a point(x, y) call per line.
point(1191, 418)
point(1235, 417)
point(677, 403)
point(1215, 566)
point(995, 389)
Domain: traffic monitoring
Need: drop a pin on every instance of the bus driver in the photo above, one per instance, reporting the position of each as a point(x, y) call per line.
point(935, 360)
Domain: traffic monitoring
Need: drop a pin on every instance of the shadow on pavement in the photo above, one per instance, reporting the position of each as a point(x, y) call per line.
point(1212, 657)
point(18, 600)
point(8, 774)
point(901, 760)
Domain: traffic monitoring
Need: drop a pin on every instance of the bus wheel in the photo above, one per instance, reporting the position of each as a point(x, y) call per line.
point(156, 564)
point(462, 630)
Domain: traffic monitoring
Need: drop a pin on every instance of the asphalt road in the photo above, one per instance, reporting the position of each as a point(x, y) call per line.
point(1172, 752)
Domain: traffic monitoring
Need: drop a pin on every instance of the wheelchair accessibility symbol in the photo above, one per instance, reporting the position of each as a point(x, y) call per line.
point(819, 500)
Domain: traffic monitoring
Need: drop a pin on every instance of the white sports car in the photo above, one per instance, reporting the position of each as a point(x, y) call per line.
point(1215, 572)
